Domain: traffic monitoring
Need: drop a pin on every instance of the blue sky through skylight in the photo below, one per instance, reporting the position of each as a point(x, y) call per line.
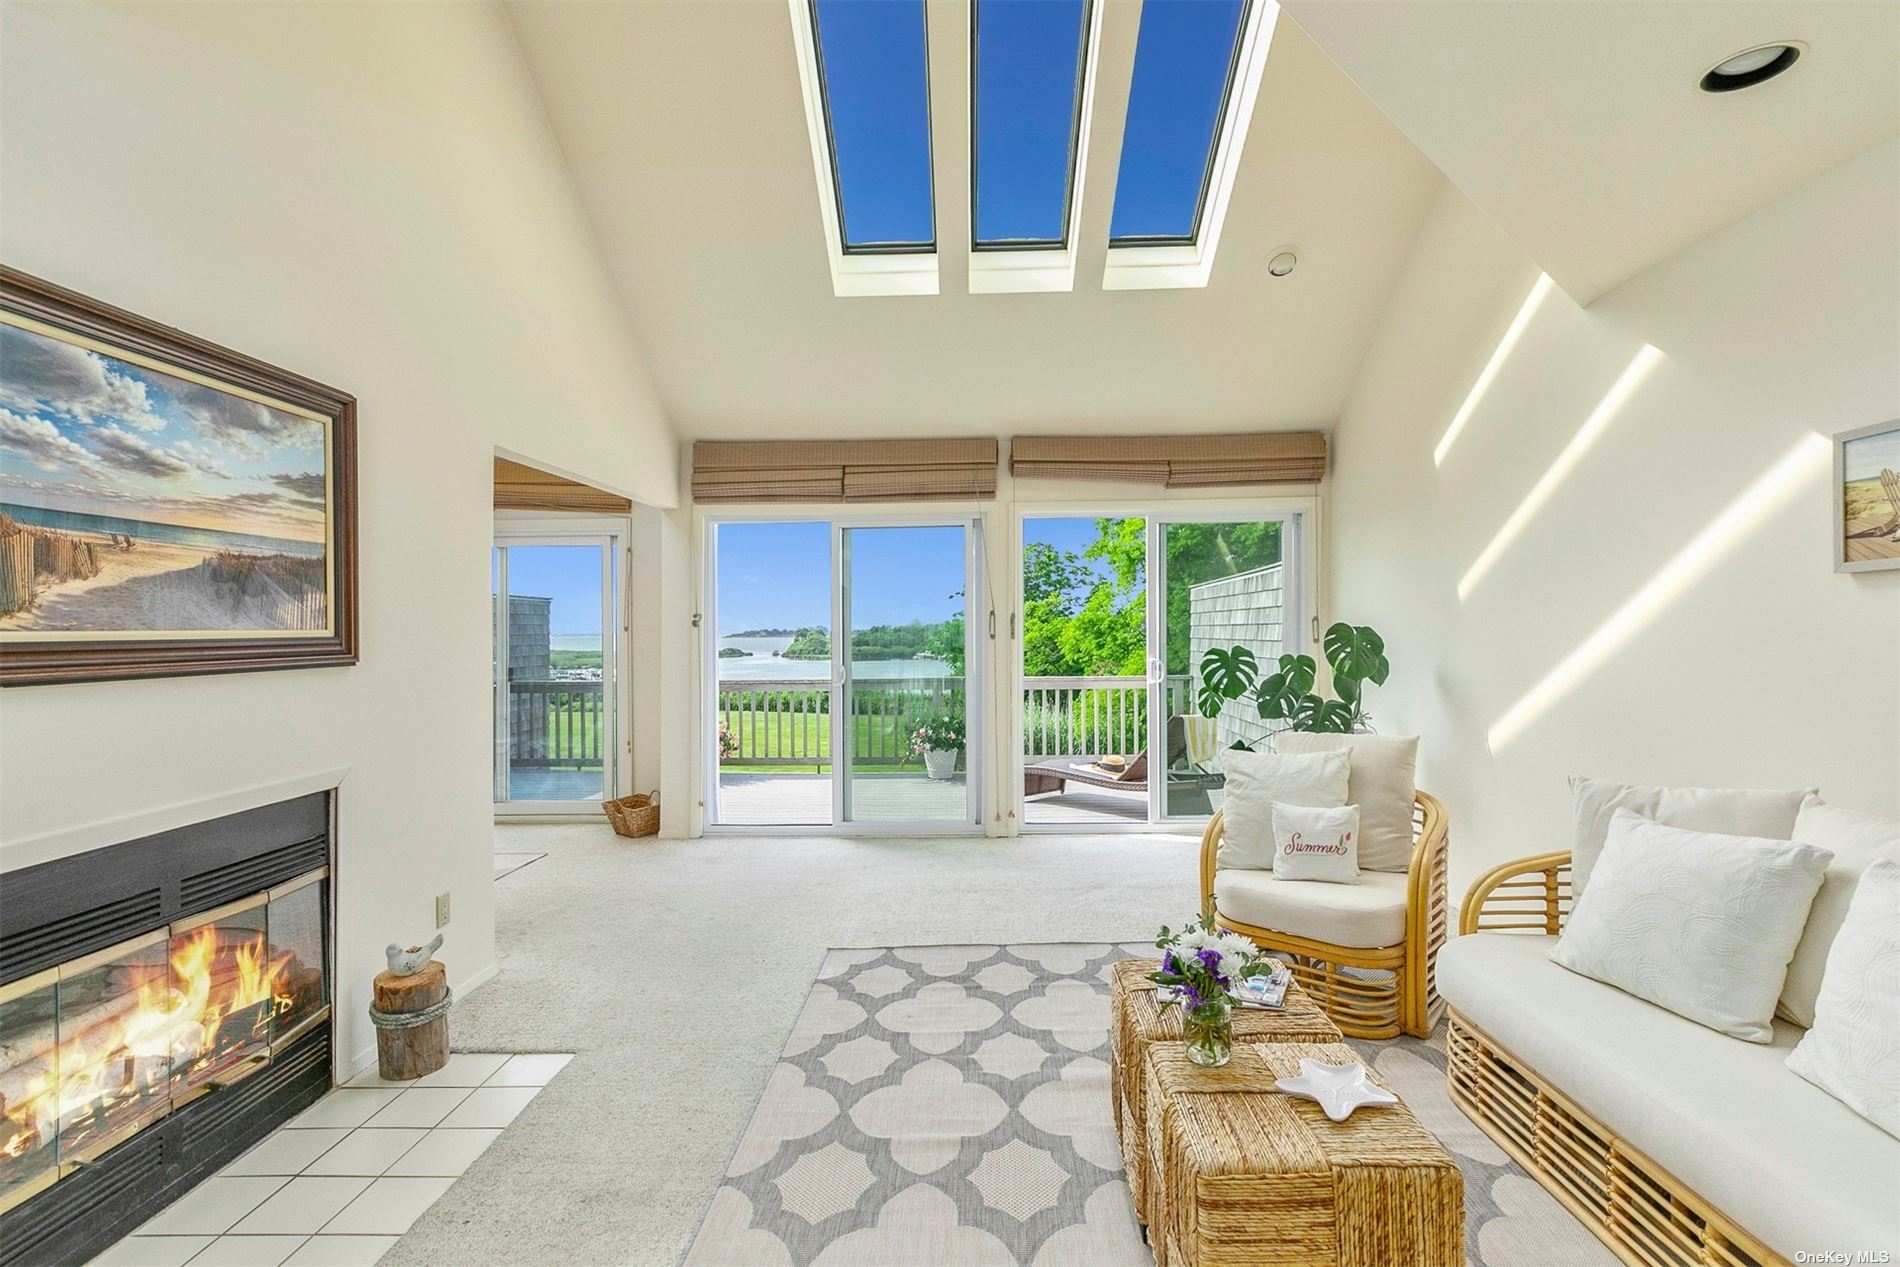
point(1182, 60)
point(872, 55)
point(1028, 64)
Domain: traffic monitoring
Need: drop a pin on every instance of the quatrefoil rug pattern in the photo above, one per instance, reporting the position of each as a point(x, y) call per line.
point(948, 1106)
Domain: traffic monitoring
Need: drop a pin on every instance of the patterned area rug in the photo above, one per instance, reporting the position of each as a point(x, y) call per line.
point(948, 1106)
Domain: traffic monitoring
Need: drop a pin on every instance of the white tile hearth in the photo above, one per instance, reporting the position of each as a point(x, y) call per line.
point(369, 1151)
point(338, 1185)
point(419, 1106)
point(490, 1107)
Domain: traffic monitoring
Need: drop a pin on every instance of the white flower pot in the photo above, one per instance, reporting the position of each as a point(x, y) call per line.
point(940, 763)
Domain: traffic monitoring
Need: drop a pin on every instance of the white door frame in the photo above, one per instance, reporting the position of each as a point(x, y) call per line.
point(975, 615)
point(610, 534)
point(1299, 536)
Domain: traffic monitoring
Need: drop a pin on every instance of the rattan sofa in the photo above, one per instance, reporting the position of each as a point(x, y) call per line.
point(1385, 986)
point(1677, 1145)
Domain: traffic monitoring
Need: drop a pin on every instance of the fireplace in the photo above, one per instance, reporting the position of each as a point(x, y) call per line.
point(164, 1004)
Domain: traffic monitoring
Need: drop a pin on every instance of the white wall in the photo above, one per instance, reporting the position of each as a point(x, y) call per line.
point(366, 194)
point(1670, 587)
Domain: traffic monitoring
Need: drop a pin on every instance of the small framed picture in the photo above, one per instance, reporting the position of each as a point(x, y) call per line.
point(1867, 486)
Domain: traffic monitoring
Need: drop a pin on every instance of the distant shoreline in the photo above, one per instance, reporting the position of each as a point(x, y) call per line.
point(84, 523)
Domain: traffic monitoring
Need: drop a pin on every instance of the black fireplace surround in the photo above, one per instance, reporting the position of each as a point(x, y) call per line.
point(112, 933)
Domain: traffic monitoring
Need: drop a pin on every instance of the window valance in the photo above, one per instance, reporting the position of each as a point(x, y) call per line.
point(843, 470)
point(1203, 461)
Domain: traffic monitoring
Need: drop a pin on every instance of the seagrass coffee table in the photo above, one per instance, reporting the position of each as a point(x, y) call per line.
point(1246, 1176)
point(1136, 1022)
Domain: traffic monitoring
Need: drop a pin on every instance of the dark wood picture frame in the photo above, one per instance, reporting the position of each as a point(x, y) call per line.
point(83, 659)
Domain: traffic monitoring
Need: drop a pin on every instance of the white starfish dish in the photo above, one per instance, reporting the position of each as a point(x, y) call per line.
point(1338, 1089)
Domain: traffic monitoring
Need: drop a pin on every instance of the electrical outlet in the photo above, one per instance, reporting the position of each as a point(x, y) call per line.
point(441, 910)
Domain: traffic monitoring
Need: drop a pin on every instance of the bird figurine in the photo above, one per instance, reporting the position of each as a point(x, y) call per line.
point(402, 962)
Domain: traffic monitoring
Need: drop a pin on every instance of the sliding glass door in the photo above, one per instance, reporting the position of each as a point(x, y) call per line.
point(1220, 582)
point(844, 650)
point(1117, 613)
point(554, 672)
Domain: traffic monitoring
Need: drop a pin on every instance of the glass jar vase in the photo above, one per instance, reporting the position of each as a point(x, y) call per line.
point(1208, 1030)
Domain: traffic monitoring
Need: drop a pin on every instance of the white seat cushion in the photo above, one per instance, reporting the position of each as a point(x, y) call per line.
point(1784, 1159)
point(1363, 916)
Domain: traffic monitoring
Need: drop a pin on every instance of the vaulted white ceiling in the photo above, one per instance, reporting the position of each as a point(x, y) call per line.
point(684, 128)
point(1578, 125)
point(1575, 124)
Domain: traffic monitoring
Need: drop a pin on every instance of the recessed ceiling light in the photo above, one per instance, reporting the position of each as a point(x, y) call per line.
point(1751, 66)
point(1282, 264)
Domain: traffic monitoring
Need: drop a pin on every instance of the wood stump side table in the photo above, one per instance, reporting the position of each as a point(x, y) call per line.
point(1245, 1175)
point(419, 1049)
point(1136, 1021)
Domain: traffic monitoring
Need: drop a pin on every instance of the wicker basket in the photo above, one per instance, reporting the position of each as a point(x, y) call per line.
point(635, 815)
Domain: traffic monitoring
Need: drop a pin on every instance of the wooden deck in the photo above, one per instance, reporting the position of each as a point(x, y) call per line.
point(804, 800)
point(791, 800)
point(1865, 544)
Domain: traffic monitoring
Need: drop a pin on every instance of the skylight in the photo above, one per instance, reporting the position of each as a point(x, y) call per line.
point(1028, 70)
point(874, 82)
point(1186, 58)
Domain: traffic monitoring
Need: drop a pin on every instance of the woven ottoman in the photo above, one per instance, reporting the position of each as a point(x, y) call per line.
point(1136, 1021)
point(1245, 1175)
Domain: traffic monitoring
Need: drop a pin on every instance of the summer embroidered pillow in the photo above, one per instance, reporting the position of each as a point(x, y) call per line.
point(1254, 781)
point(1701, 924)
point(1316, 844)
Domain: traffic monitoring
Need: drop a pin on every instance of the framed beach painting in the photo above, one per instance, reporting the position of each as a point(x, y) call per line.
point(167, 506)
point(1867, 485)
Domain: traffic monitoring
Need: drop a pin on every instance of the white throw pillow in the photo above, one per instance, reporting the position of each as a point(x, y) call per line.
point(1381, 785)
point(1316, 844)
point(1857, 841)
point(1853, 1051)
point(1254, 781)
point(1699, 923)
point(1760, 812)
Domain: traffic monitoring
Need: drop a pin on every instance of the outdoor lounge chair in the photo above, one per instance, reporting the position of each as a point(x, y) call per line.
point(1054, 774)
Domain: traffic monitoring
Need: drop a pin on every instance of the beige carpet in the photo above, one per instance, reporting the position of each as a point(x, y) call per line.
point(615, 1162)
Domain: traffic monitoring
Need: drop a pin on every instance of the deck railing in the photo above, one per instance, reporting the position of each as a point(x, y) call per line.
point(787, 722)
point(557, 725)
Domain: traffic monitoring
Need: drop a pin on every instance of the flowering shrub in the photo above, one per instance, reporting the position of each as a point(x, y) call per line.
point(936, 732)
point(1200, 964)
point(728, 742)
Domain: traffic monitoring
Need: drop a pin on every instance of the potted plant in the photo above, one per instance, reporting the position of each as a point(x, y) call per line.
point(1356, 655)
point(728, 743)
point(938, 738)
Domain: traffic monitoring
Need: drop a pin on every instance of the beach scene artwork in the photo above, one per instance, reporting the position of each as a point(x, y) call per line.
point(145, 501)
point(1867, 464)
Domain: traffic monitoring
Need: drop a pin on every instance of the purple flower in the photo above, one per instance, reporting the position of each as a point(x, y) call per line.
point(1168, 962)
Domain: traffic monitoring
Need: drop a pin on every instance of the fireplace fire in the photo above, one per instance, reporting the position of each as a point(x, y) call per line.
point(168, 1005)
point(97, 1048)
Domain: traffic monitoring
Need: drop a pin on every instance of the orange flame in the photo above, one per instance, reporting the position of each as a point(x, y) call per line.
point(127, 1062)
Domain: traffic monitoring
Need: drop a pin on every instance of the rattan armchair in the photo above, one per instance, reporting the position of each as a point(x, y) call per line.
point(1369, 993)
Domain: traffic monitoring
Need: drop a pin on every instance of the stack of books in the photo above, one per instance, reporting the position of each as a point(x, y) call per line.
point(1267, 991)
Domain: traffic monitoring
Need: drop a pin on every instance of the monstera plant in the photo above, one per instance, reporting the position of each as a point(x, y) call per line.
point(1356, 654)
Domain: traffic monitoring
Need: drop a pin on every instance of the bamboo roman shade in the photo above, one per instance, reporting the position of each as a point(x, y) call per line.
point(843, 470)
point(1265, 457)
point(519, 487)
